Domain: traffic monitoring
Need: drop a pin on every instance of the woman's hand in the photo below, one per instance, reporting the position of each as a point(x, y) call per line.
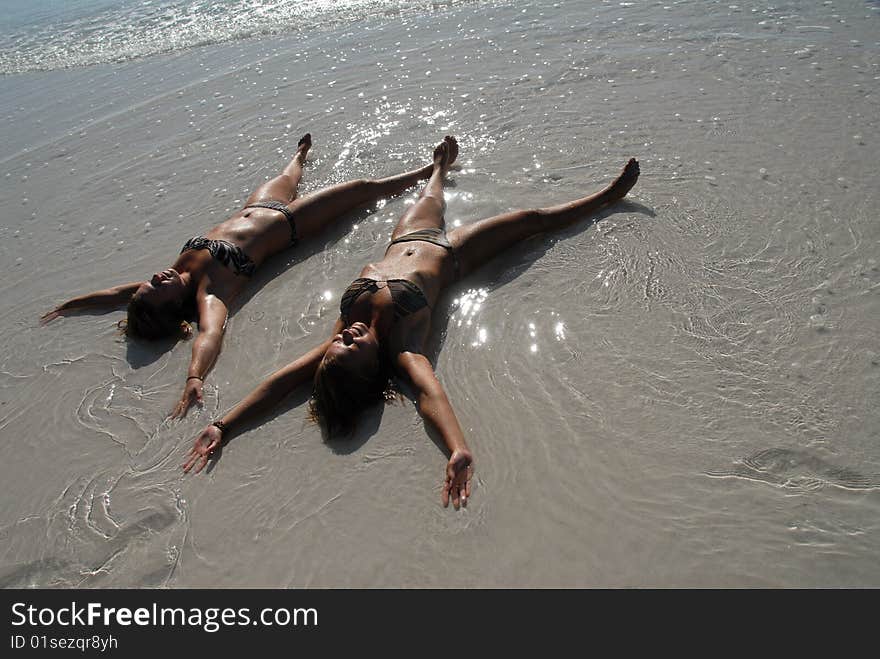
point(203, 448)
point(192, 393)
point(109, 297)
point(459, 471)
point(49, 317)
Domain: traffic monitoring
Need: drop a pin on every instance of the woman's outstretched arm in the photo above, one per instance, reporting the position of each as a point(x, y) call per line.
point(436, 410)
point(268, 393)
point(109, 297)
point(206, 347)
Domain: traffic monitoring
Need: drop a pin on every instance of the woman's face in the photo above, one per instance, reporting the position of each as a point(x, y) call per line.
point(355, 349)
point(165, 286)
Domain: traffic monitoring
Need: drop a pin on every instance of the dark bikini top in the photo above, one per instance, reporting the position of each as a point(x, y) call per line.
point(407, 297)
point(232, 256)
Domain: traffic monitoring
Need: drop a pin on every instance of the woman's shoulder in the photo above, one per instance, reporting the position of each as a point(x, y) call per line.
point(408, 335)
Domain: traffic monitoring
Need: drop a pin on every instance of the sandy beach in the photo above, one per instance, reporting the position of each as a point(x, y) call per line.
point(680, 393)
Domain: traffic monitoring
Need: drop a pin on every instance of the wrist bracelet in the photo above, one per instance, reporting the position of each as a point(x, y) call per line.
point(219, 424)
point(197, 377)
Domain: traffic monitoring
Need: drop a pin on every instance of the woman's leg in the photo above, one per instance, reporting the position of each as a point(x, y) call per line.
point(477, 243)
point(315, 211)
point(427, 212)
point(283, 187)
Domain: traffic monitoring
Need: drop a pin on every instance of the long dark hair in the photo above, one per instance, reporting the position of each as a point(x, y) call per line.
point(156, 322)
point(339, 396)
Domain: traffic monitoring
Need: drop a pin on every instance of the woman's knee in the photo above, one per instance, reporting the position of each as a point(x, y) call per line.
point(360, 188)
point(436, 203)
point(357, 185)
point(535, 216)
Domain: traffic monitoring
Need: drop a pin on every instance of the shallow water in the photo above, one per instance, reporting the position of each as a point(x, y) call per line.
point(678, 394)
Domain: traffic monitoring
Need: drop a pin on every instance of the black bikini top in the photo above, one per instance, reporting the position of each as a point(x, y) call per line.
point(407, 297)
point(232, 256)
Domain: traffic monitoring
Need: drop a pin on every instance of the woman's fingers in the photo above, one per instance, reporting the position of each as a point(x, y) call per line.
point(49, 317)
point(191, 458)
point(457, 486)
point(453, 486)
point(464, 487)
point(190, 396)
point(200, 453)
point(182, 406)
point(196, 459)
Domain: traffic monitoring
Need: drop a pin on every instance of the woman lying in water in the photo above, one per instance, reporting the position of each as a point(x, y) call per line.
point(385, 319)
point(213, 268)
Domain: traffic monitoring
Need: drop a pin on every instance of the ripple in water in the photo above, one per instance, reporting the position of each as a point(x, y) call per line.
point(796, 470)
point(100, 526)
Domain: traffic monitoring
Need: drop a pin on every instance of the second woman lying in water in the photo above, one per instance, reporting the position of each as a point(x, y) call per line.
point(385, 319)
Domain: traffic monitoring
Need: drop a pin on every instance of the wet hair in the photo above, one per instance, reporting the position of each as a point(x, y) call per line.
point(340, 396)
point(155, 322)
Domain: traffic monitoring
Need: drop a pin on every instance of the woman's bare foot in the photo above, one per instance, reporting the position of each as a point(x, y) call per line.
point(625, 182)
point(303, 146)
point(453, 148)
point(445, 153)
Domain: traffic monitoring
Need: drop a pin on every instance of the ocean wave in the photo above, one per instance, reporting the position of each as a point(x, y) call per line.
point(88, 32)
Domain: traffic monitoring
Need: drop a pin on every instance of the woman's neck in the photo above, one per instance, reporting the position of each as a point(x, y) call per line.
point(187, 279)
point(190, 265)
point(381, 317)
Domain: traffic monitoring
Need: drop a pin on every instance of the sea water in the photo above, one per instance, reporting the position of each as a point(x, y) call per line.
point(679, 393)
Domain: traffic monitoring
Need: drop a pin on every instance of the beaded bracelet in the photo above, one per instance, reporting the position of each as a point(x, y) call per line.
point(219, 424)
